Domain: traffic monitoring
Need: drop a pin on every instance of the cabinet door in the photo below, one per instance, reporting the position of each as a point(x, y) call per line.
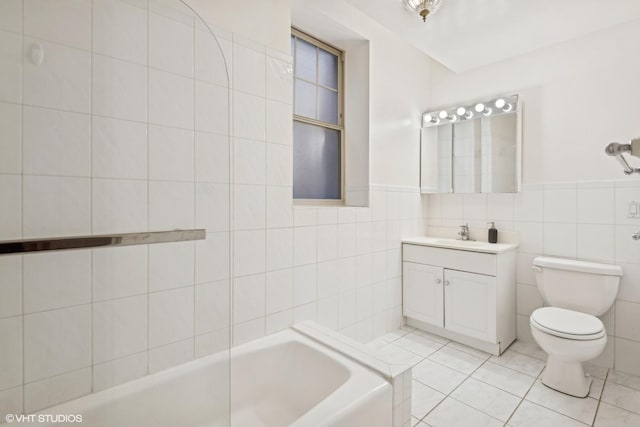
point(470, 304)
point(422, 293)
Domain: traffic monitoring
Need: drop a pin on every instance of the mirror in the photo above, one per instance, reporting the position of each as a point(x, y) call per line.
point(472, 149)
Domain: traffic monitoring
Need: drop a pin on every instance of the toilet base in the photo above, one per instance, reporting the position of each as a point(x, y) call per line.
point(566, 377)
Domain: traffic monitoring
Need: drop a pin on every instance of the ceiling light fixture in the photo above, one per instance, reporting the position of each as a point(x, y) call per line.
point(424, 8)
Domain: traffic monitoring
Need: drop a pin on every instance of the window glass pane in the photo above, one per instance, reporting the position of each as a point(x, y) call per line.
point(327, 105)
point(328, 69)
point(306, 60)
point(316, 162)
point(305, 102)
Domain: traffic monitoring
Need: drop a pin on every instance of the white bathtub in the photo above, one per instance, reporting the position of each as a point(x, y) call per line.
point(285, 379)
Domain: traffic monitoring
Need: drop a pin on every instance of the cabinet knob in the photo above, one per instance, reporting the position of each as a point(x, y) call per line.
point(438, 281)
point(446, 282)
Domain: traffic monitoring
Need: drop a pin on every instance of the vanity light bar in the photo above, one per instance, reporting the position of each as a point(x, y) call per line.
point(494, 107)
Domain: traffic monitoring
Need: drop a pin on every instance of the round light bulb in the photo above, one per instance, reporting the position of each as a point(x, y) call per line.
point(500, 103)
point(428, 118)
point(480, 107)
point(443, 114)
point(461, 111)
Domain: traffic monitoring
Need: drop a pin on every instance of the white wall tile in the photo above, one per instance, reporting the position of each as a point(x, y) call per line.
point(56, 341)
point(279, 248)
point(62, 81)
point(364, 242)
point(364, 302)
point(327, 242)
point(327, 281)
point(627, 250)
point(624, 195)
point(629, 283)
point(500, 207)
point(11, 401)
point(120, 30)
point(560, 239)
point(212, 306)
point(119, 272)
point(10, 137)
point(596, 242)
point(11, 77)
point(249, 70)
point(56, 279)
point(346, 240)
point(119, 206)
point(11, 15)
point(249, 162)
point(163, 198)
point(475, 207)
point(528, 206)
point(212, 258)
point(170, 355)
point(11, 208)
point(249, 252)
point(249, 207)
point(171, 265)
point(627, 356)
point(11, 285)
point(560, 205)
point(56, 142)
point(171, 154)
point(279, 80)
point(249, 116)
point(170, 45)
point(278, 321)
point(51, 391)
point(279, 165)
point(346, 309)
point(119, 148)
point(531, 236)
point(67, 21)
point(248, 298)
point(56, 206)
point(245, 332)
point(305, 312)
point(212, 108)
point(279, 207)
point(304, 216)
point(528, 299)
point(171, 100)
point(209, 58)
point(347, 274)
point(304, 245)
point(595, 205)
point(278, 126)
point(212, 207)
point(213, 342)
point(279, 291)
point(11, 352)
point(328, 312)
point(627, 315)
point(119, 328)
point(171, 315)
point(212, 158)
point(119, 89)
point(114, 372)
point(364, 270)
point(304, 284)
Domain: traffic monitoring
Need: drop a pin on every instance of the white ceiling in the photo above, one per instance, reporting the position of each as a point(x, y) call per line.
point(466, 34)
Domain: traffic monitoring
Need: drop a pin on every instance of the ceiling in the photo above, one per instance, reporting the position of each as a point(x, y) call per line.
point(467, 34)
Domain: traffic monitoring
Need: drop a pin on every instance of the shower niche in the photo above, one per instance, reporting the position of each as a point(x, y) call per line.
point(474, 148)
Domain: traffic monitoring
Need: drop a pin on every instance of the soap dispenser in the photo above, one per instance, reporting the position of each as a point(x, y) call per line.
point(493, 233)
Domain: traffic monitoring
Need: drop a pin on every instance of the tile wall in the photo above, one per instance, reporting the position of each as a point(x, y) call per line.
point(123, 127)
point(579, 220)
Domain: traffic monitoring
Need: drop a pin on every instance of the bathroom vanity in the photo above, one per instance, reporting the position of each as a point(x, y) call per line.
point(461, 290)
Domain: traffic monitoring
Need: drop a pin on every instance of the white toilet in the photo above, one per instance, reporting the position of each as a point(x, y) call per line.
point(568, 329)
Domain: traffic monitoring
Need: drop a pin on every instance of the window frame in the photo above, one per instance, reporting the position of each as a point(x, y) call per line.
point(306, 120)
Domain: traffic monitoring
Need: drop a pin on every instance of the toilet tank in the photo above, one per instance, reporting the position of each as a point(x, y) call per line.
point(582, 286)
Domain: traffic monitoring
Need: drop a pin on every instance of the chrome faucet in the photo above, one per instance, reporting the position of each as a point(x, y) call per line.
point(464, 232)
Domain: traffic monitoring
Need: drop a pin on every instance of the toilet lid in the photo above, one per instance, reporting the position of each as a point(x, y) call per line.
point(567, 323)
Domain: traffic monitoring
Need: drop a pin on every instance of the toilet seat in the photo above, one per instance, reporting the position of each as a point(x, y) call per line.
point(567, 324)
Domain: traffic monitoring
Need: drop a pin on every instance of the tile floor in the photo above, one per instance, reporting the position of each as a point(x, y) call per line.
point(458, 386)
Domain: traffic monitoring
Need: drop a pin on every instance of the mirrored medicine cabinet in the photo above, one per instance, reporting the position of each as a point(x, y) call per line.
point(474, 148)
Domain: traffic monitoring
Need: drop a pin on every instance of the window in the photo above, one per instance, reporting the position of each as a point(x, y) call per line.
point(318, 130)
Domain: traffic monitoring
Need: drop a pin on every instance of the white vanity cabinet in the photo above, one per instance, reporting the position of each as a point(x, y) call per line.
point(462, 291)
